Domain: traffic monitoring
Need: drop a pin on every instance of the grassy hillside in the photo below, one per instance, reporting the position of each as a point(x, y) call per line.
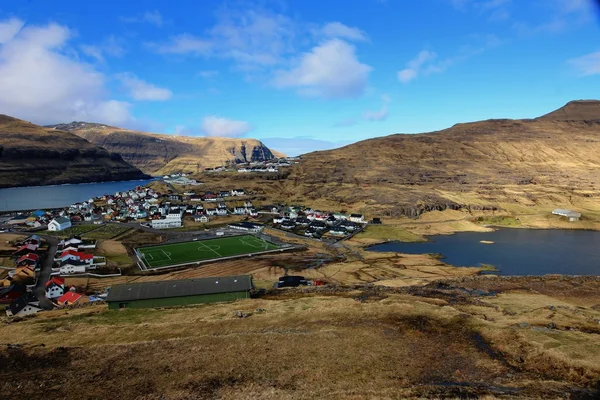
point(163, 154)
point(495, 164)
point(33, 155)
point(532, 339)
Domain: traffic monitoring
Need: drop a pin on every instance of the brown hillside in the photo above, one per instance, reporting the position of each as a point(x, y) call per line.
point(163, 154)
point(33, 155)
point(579, 110)
point(489, 164)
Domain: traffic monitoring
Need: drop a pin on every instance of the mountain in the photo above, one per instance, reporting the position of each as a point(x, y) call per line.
point(578, 110)
point(552, 161)
point(32, 155)
point(163, 154)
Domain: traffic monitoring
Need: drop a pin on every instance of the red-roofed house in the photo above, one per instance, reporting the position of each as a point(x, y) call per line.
point(55, 287)
point(25, 249)
point(76, 256)
point(28, 259)
point(69, 298)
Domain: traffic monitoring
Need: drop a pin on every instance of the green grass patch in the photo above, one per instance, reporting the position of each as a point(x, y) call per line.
point(389, 232)
point(106, 231)
point(498, 220)
point(203, 250)
point(77, 230)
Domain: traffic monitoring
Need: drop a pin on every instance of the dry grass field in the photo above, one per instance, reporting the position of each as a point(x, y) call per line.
point(436, 341)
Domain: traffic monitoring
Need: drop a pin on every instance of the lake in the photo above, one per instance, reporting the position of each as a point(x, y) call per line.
point(515, 251)
point(44, 197)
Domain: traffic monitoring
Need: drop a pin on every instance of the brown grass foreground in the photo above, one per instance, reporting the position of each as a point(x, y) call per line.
point(335, 343)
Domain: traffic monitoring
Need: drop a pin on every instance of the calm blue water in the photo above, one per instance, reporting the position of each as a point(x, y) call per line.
point(515, 251)
point(34, 197)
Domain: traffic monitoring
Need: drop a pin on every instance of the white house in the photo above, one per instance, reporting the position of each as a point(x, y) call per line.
point(221, 211)
point(202, 218)
point(211, 211)
point(570, 214)
point(70, 269)
point(238, 192)
point(59, 224)
point(171, 220)
point(358, 218)
point(55, 288)
point(20, 308)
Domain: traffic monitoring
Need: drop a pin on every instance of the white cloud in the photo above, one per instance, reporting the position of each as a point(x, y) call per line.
point(9, 28)
point(207, 74)
point(182, 44)
point(380, 114)
point(414, 66)
point(329, 70)
point(339, 30)
point(588, 64)
point(151, 17)
point(92, 51)
point(40, 83)
point(141, 90)
point(224, 127)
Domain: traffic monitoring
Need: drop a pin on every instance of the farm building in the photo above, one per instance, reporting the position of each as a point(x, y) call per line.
point(179, 292)
point(570, 214)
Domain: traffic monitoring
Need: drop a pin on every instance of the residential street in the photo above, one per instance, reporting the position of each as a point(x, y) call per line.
point(46, 270)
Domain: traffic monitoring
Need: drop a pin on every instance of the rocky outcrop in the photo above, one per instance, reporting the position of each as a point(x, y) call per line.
point(31, 155)
point(164, 154)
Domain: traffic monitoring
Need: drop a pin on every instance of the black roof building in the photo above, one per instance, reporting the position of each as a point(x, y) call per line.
point(179, 288)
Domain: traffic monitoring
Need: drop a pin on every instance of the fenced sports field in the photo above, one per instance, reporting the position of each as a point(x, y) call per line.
point(176, 254)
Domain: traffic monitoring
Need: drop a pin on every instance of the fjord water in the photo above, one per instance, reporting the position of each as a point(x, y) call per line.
point(41, 197)
point(515, 251)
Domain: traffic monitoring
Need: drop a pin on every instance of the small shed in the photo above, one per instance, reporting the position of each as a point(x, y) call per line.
point(179, 292)
point(571, 215)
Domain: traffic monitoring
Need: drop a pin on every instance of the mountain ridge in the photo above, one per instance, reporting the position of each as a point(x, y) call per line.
point(161, 154)
point(32, 155)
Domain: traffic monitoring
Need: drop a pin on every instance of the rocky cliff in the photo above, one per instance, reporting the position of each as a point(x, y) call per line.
point(32, 155)
point(163, 154)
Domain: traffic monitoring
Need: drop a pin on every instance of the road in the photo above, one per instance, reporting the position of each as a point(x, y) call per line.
point(45, 271)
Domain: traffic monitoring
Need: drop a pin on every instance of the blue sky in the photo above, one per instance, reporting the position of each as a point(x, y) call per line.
point(299, 75)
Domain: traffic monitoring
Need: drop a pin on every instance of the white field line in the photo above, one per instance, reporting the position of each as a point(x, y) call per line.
point(218, 255)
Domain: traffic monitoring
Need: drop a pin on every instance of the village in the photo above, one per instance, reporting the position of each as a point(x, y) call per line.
point(62, 244)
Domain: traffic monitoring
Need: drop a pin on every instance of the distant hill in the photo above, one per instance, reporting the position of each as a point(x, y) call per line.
point(545, 162)
point(33, 155)
point(163, 154)
point(578, 110)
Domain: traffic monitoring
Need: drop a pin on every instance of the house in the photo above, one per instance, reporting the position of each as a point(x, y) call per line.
point(288, 224)
point(25, 249)
point(174, 197)
point(318, 225)
point(78, 243)
point(349, 226)
point(211, 211)
point(55, 287)
point(279, 219)
point(202, 218)
point(12, 292)
point(291, 281)
point(224, 193)
point(59, 224)
point(70, 269)
point(571, 215)
point(246, 226)
point(240, 210)
point(358, 218)
point(179, 292)
point(238, 192)
point(33, 239)
point(70, 255)
point(23, 306)
point(312, 233)
point(221, 211)
point(195, 197)
point(171, 220)
point(376, 221)
point(28, 259)
point(302, 221)
point(338, 231)
point(69, 298)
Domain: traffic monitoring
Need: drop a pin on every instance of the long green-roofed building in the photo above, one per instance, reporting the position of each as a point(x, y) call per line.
point(179, 292)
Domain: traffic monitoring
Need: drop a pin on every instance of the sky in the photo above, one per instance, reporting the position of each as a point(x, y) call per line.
point(298, 75)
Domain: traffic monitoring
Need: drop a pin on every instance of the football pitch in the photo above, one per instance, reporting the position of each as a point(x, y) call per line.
point(202, 250)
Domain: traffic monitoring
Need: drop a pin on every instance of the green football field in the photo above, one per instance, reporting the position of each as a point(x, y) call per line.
point(202, 250)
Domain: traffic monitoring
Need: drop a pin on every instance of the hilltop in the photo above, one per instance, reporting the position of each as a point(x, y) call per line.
point(162, 154)
point(491, 165)
point(33, 155)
